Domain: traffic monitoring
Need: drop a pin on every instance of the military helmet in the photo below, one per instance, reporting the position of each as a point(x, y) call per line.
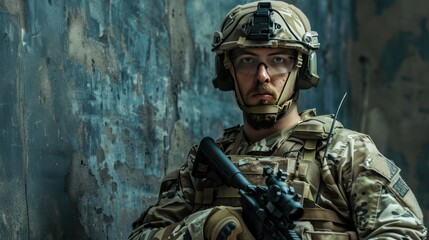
point(274, 24)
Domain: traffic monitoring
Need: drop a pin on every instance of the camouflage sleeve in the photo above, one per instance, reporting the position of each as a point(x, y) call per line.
point(383, 206)
point(174, 205)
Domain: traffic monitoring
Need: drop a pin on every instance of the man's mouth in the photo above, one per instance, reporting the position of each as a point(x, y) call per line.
point(265, 96)
point(262, 98)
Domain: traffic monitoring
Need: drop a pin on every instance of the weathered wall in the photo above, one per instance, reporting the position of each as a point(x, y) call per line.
point(98, 99)
point(389, 59)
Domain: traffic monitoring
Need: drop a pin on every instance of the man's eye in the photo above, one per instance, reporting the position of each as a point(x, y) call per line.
point(278, 60)
point(286, 60)
point(247, 60)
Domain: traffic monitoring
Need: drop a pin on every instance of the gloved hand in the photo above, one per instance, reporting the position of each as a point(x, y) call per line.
point(226, 223)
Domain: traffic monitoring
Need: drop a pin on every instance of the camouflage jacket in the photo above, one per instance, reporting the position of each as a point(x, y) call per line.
point(360, 193)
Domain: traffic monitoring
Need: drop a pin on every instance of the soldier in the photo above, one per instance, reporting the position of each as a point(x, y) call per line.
point(265, 53)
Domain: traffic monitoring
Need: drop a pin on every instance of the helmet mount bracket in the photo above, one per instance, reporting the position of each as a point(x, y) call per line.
point(261, 26)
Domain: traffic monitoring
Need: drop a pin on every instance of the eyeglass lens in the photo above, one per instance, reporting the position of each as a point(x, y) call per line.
point(275, 64)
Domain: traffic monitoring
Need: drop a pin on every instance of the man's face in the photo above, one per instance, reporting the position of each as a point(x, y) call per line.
point(261, 73)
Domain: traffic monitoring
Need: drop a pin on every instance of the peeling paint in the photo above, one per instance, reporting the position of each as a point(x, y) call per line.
point(17, 9)
point(181, 42)
point(93, 55)
point(45, 96)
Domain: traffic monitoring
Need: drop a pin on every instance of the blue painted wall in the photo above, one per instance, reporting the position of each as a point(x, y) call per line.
point(99, 99)
point(389, 58)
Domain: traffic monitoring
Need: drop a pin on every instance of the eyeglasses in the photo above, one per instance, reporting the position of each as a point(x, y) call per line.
point(275, 64)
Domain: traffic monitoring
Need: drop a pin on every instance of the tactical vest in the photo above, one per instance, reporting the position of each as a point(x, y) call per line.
point(300, 157)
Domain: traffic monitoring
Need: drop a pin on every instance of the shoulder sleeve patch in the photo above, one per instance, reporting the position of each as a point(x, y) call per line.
point(382, 165)
point(387, 169)
point(401, 187)
point(393, 169)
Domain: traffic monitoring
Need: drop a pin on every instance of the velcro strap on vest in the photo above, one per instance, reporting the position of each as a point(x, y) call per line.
point(208, 195)
point(291, 166)
point(310, 150)
point(321, 214)
point(303, 189)
point(228, 192)
point(326, 235)
point(204, 197)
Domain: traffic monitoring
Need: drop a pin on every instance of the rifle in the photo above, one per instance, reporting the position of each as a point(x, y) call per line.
point(269, 211)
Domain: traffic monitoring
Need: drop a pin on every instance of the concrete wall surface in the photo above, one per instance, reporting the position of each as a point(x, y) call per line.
point(99, 99)
point(389, 58)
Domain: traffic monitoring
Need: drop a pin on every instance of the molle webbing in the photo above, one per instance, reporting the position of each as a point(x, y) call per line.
point(252, 169)
point(311, 135)
point(321, 214)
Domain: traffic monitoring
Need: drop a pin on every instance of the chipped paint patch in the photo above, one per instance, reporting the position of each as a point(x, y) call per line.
point(93, 55)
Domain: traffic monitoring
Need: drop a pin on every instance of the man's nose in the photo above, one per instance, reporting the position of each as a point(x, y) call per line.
point(262, 73)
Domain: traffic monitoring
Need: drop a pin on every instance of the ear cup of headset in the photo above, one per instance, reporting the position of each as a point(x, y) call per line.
point(223, 79)
point(307, 76)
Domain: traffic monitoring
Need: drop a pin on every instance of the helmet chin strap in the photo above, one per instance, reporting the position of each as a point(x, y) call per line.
point(281, 106)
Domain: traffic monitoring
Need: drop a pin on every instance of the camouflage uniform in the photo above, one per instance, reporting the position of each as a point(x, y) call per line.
point(362, 195)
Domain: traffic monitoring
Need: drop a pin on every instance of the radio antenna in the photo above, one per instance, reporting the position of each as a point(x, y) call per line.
point(329, 139)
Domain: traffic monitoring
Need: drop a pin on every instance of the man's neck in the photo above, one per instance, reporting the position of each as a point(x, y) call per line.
point(290, 119)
